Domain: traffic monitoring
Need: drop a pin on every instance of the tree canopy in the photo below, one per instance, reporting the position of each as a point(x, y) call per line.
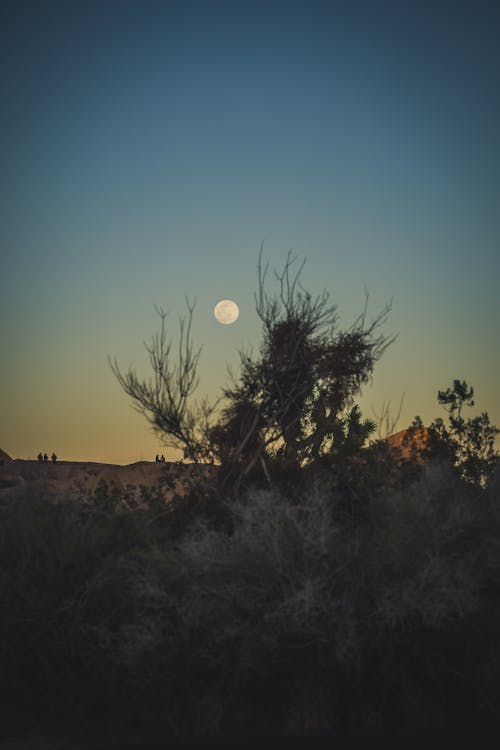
point(290, 406)
point(467, 444)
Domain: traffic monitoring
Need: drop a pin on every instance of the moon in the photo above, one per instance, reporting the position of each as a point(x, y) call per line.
point(226, 311)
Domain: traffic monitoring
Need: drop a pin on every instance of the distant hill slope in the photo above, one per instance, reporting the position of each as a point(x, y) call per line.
point(5, 458)
point(66, 479)
point(409, 441)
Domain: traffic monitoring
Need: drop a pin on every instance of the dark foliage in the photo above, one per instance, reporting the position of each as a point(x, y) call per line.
point(272, 614)
point(466, 444)
point(291, 407)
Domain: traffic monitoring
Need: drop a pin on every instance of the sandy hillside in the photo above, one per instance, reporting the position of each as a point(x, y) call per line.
point(65, 479)
point(409, 443)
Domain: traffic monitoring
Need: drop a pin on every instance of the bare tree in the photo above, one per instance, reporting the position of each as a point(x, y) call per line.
point(386, 424)
point(166, 398)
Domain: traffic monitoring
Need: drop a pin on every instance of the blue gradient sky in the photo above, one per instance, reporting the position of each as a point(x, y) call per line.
point(147, 148)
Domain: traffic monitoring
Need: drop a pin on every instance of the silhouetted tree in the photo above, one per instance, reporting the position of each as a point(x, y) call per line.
point(292, 406)
point(166, 399)
point(469, 444)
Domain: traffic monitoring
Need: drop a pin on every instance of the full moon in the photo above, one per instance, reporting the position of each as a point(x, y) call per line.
point(226, 311)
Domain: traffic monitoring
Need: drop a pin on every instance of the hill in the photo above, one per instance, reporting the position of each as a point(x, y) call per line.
point(5, 458)
point(409, 441)
point(64, 479)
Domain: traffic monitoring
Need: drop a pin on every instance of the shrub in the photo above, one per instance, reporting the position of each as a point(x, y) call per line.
point(294, 616)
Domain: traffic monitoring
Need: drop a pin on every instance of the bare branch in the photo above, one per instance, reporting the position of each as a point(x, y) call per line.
point(385, 421)
point(165, 399)
point(293, 301)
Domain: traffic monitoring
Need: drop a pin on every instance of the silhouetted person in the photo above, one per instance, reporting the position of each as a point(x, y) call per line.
point(157, 458)
point(162, 459)
point(54, 458)
point(40, 458)
point(45, 458)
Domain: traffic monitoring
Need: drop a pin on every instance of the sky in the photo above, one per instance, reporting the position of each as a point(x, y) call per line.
point(147, 150)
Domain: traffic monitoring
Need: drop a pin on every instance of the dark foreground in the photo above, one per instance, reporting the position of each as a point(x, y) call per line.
point(266, 620)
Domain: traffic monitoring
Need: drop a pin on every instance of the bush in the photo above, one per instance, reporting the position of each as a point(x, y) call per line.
point(294, 617)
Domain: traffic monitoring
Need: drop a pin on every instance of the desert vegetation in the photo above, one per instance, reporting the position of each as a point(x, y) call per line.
point(316, 582)
point(264, 612)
